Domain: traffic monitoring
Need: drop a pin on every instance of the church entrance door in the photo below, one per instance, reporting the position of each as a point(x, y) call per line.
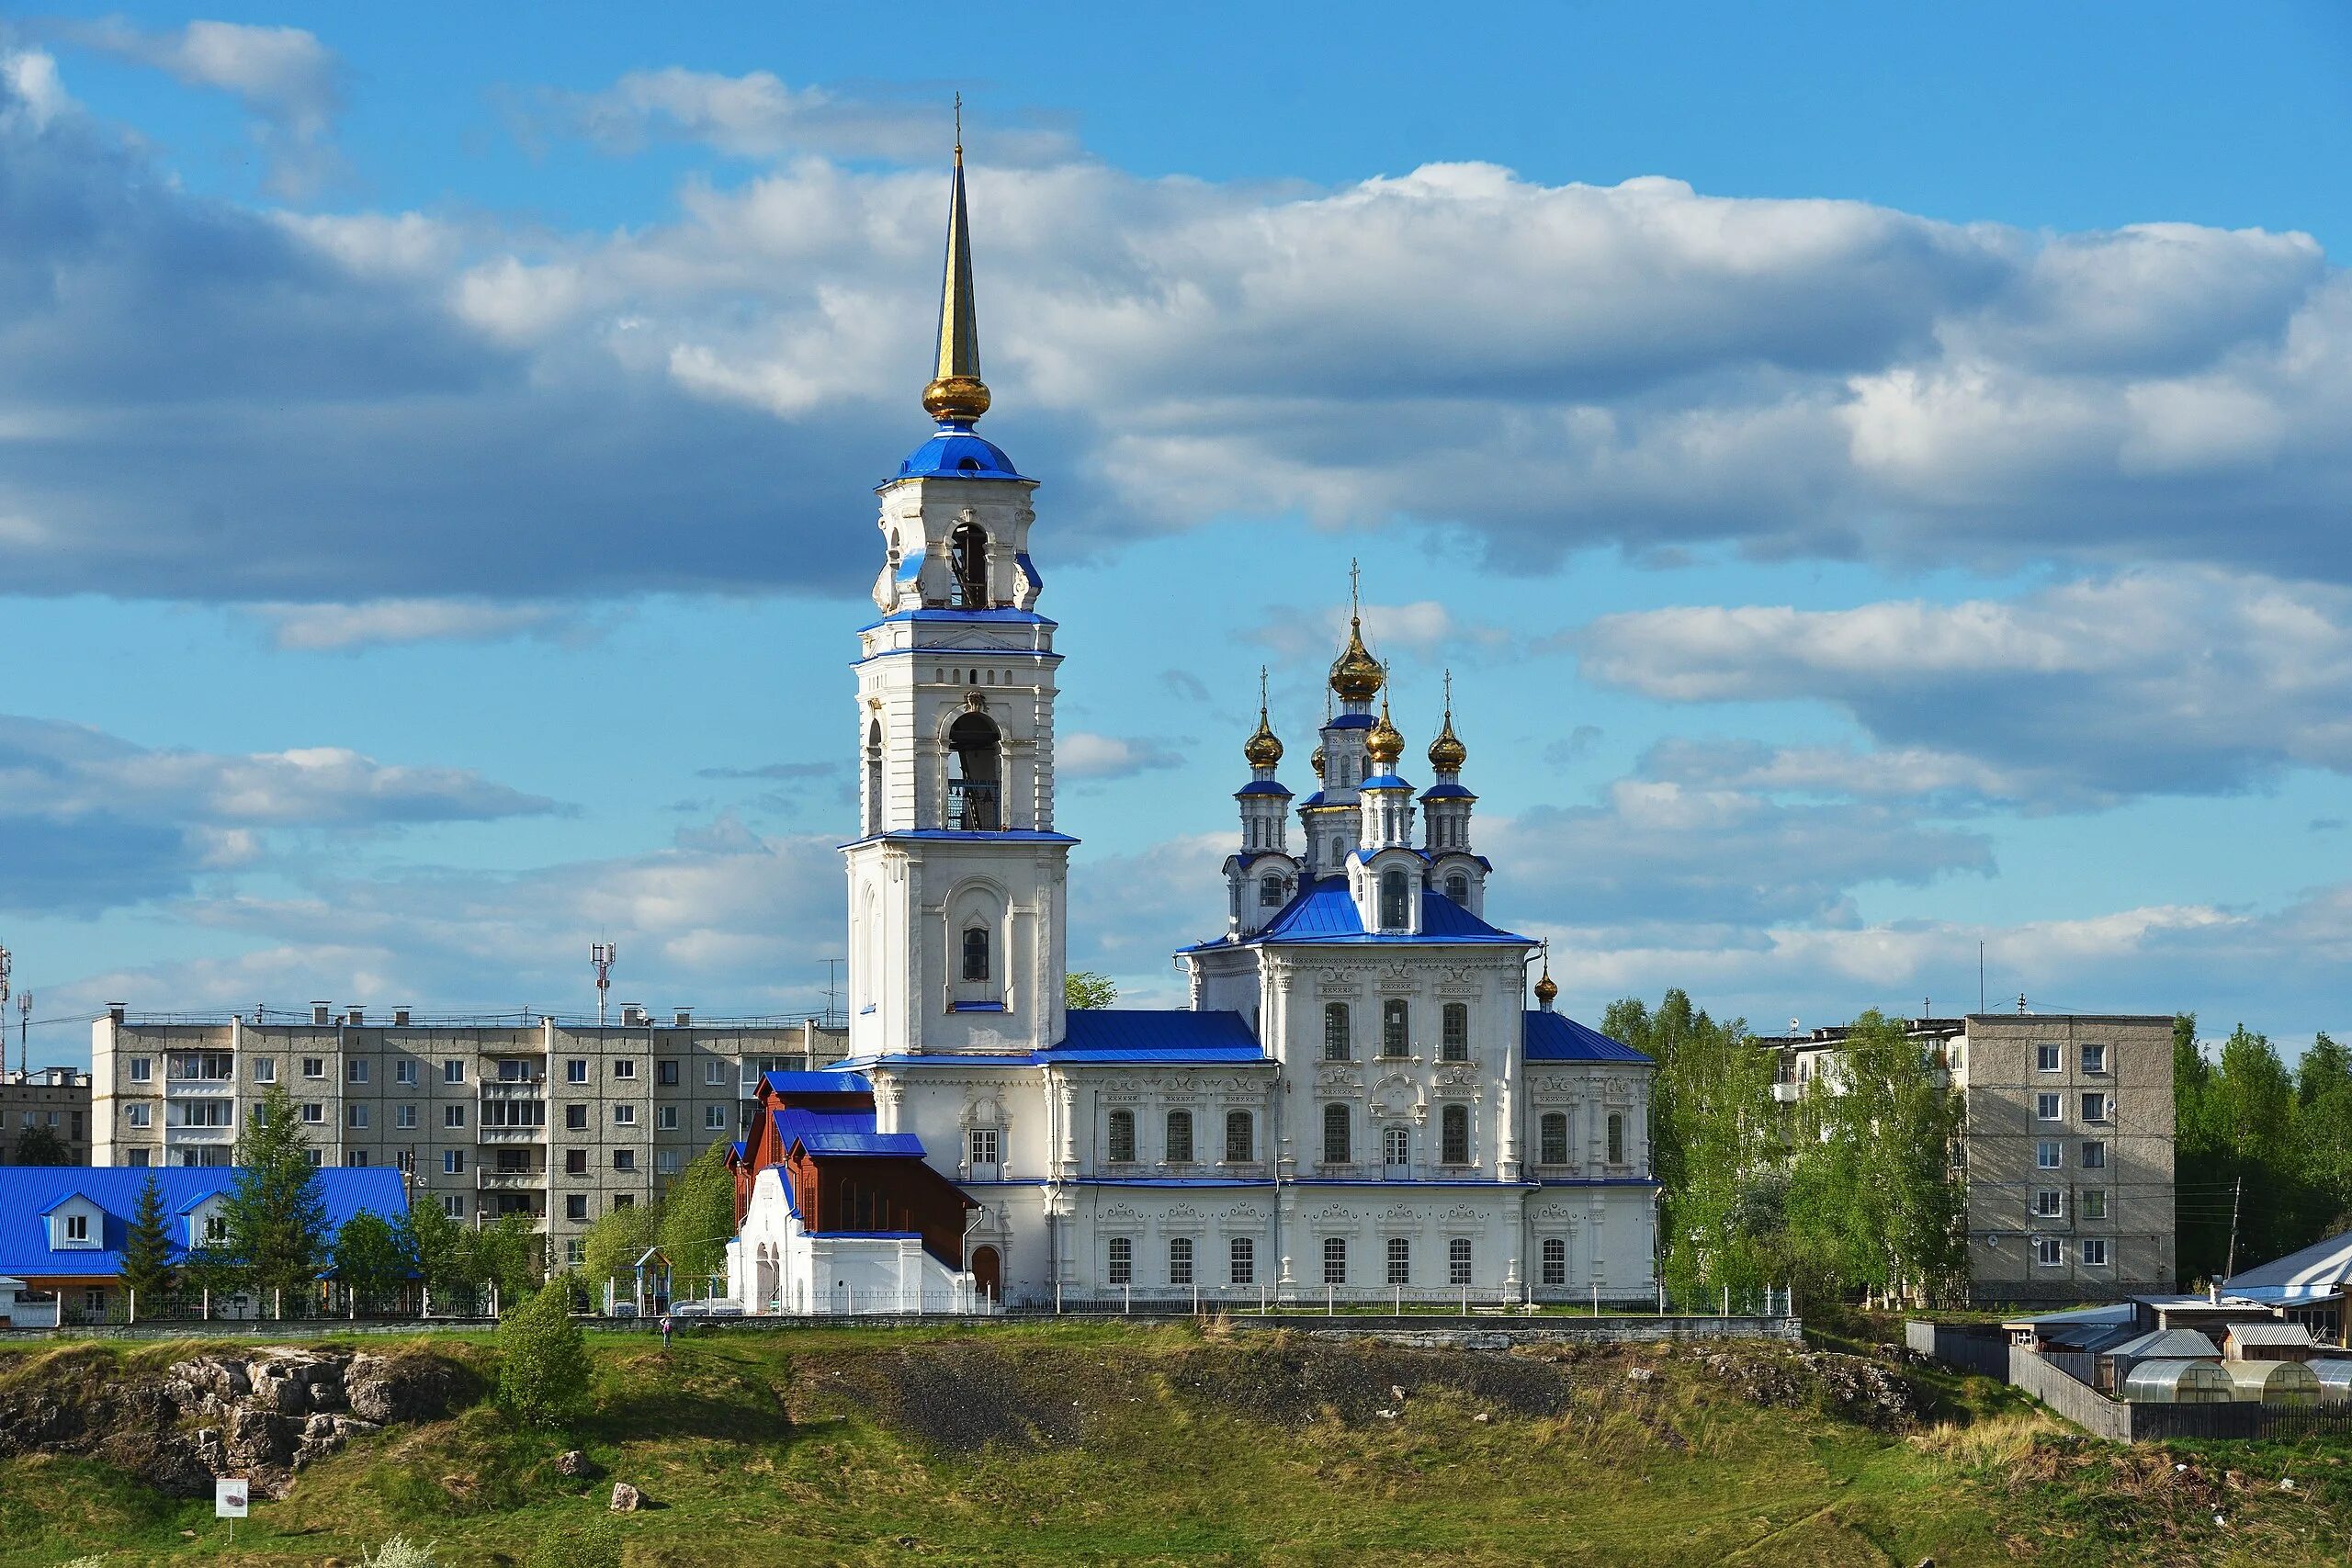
point(987, 1272)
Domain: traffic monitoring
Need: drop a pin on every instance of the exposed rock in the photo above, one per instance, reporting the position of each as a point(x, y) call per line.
point(627, 1499)
point(574, 1463)
point(399, 1388)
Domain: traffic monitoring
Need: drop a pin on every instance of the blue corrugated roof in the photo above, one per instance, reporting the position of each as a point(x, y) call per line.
point(845, 1132)
point(1447, 791)
point(818, 1083)
point(1384, 780)
point(1172, 1034)
point(1261, 786)
point(958, 455)
point(1351, 721)
point(1323, 911)
point(27, 1192)
point(1556, 1037)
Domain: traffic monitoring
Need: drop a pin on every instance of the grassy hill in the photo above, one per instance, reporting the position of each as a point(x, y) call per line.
point(1092, 1443)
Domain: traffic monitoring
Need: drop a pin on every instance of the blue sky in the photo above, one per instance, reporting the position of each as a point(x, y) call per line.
point(1877, 476)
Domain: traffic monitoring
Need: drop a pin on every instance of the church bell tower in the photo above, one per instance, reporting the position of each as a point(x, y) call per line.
point(957, 880)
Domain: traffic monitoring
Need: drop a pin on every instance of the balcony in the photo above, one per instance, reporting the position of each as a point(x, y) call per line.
point(488, 1135)
point(509, 1180)
point(199, 1136)
point(200, 1089)
point(1788, 1093)
point(513, 1089)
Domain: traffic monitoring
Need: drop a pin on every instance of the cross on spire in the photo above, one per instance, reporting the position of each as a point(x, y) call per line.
point(1355, 600)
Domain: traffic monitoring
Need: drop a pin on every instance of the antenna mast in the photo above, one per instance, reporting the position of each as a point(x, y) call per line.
point(24, 1034)
point(601, 954)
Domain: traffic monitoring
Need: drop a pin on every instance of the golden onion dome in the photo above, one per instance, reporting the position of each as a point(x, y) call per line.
point(1446, 753)
point(1316, 762)
point(1384, 744)
point(1356, 675)
point(1546, 991)
point(1262, 749)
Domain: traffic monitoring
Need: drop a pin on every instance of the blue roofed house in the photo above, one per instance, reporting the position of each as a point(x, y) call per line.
point(64, 1228)
point(1358, 1100)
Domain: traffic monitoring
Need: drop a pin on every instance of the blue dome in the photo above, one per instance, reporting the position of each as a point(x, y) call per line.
point(958, 455)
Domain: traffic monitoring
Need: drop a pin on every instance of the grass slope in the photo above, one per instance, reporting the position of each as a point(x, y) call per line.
point(1058, 1443)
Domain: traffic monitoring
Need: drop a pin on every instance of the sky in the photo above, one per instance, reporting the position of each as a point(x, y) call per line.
point(1877, 476)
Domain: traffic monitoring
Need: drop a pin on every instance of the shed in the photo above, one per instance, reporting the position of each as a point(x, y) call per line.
point(2268, 1342)
point(2274, 1386)
point(2170, 1380)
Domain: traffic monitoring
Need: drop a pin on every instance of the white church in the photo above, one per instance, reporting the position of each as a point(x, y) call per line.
point(1359, 1104)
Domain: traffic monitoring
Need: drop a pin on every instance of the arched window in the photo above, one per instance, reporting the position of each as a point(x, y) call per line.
point(1396, 1027)
point(1394, 892)
point(1335, 1032)
point(1240, 1138)
point(968, 547)
point(1455, 1044)
point(1122, 1149)
point(1180, 1260)
point(1457, 887)
point(1453, 1146)
point(1270, 893)
point(1457, 1261)
point(976, 952)
point(1179, 1137)
point(1552, 1145)
point(972, 774)
point(874, 777)
point(1337, 1146)
point(1616, 1138)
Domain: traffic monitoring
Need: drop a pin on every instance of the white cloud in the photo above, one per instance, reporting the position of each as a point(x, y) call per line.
point(35, 97)
point(320, 628)
point(1078, 755)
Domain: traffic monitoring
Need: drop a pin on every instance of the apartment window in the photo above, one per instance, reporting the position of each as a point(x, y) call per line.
point(141, 1115)
point(1400, 1260)
point(714, 1118)
point(264, 1069)
point(314, 1066)
point(513, 1071)
point(575, 1251)
point(2049, 1251)
point(1241, 1260)
point(1555, 1260)
point(665, 1117)
point(623, 1159)
point(575, 1162)
point(1241, 1140)
point(2045, 1107)
point(624, 1199)
point(1179, 1137)
point(317, 1157)
point(1336, 1142)
point(453, 1116)
point(404, 1073)
point(575, 1118)
point(1396, 1027)
point(2046, 1154)
point(453, 1162)
point(143, 1069)
point(1454, 1040)
point(1616, 1137)
point(142, 1156)
point(1335, 1032)
point(714, 1072)
point(1123, 1137)
point(1123, 1261)
point(575, 1070)
point(355, 1116)
point(2094, 1108)
point(1335, 1260)
point(454, 1205)
point(2046, 1202)
point(1457, 1261)
point(1180, 1260)
point(515, 1113)
point(623, 1068)
point(1454, 1138)
point(2094, 1252)
point(1552, 1145)
point(2045, 1058)
point(356, 1069)
point(666, 1162)
point(666, 1074)
point(313, 1112)
point(623, 1115)
point(2094, 1154)
point(2094, 1202)
point(453, 1071)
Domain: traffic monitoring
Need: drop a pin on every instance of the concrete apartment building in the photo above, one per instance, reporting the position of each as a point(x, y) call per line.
point(556, 1120)
point(2068, 1151)
point(55, 1098)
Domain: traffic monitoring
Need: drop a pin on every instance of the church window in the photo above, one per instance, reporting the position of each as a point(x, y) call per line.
point(1335, 1260)
point(972, 774)
point(1123, 1136)
point(1179, 1137)
point(1457, 887)
point(1400, 1260)
point(1555, 1260)
point(1180, 1260)
point(1270, 889)
point(874, 777)
point(1457, 1261)
point(1394, 892)
point(1337, 1141)
point(976, 952)
point(1335, 1032)
point(984, 1154)
point(1396, 1027)
point(1240, 1138)
point(968, 548)
point(1455, 1043)
point(1616, 1138)
point(1123, 1261)
point(1552, 1144)
point(1396, 1150)
point(1241, 1260)
point(1454, 1137)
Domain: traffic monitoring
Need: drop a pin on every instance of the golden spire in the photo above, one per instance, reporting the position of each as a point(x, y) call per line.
point(1355, 674)
point(1262, 749)
point(1446, 753)
point(1546, 991)
point(1384, 745)
point(956, 394)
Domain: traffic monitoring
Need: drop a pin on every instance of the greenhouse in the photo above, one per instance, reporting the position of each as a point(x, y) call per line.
point(2178, 1380)
point(2275, 1385)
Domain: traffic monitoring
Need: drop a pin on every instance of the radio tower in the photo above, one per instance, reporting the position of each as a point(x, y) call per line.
point(24, 1034)
point(7, 966)
point(601, 954)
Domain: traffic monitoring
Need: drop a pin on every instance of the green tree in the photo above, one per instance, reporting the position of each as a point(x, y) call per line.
point(41, 1145)
point(2253, 1107)
point(1089, 988)
point(543, 1372)
point(435, 1244)
point(508, 1255)
point(147, 1248)
point(2324, 1120)
point(696, 1217)
point(614, 1243)
point(276, 1217)
point(370, 1261)
point(2202, 1171)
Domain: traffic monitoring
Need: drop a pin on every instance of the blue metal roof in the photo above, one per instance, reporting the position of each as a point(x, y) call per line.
point(1170, 1034)
point(1323, 911)
point(1384, 780)
point(818, 1083)
point(1351, 721)
point(29, 1191)
point(958, 455)
point(1556, 1037)
point(1447, 791)
point(1008, 835)
point(1261, 786)
point(845, 1134)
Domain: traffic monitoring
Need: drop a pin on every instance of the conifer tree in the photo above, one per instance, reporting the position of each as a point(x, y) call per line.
point(147, 1248)
point(276, 1217)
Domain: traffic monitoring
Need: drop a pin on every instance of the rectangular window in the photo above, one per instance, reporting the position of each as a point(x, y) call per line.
point(1552, 1144)
point(2094, 1252)
point(404, 1116)
point(313, 1112)
point(1335, 1032)
point(1120, 1147)
point(264, 1069)
point(2045, 1107)
point(575, 1162)
point(666, 1162)
point(666, 1074)
point(2094, 1058)
point(1180, 1260)
point(1123, 1261)
point(143, 1069)
point(318, 1157)
point(1457, 1261)
point(404, 1072)
point(142, 1156)
point(1454, 1045)
point(976, 954)
point(575, 1206)
point(623, 1159)
point(2045, 1058)
point(2046, 1155)
point(666, 1118)
point(356, 1069)
point(1453, 1136)
point(1396, 1027)
point(1400, 1260)
point(1335, 1260)
point(624, 1067)
point(2046, 1202)
point(1616, 1137)
point(1179, 1137)
point(453, 1162)
point(2094, 1202)
point(624, 1199)
point(1338, 1143)
point(515, 1113)
point(453, 1116)
point(140, 1115)
point(453, 1071)
point(2094, 1155)
point(355, 1116)
point(514, 1069)
point(575, 1251)
point(623, 1115)
point(1242, 1261)
point(575, 1070)
point(2094, 1108)
point(714, 1071)
point(314, 1066)
point(357, 1156)
point(1240, 1138)
point(1555, 1260)
point(2049, 1251)
point(77, 1227)
point(984, 1148)
point(454, 1205)
point(575, 1118)
point(714, 1118)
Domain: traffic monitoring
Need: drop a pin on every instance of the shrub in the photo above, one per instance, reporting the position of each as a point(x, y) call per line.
point(543, 1368)
point(592, 1543)
point(401, 1553)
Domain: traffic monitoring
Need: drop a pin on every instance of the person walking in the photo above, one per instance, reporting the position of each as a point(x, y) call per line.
point(667, 1325)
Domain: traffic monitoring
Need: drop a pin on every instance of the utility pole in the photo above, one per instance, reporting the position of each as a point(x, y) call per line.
point(2237, 1188)
point(602, 955)
point(830, 964)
